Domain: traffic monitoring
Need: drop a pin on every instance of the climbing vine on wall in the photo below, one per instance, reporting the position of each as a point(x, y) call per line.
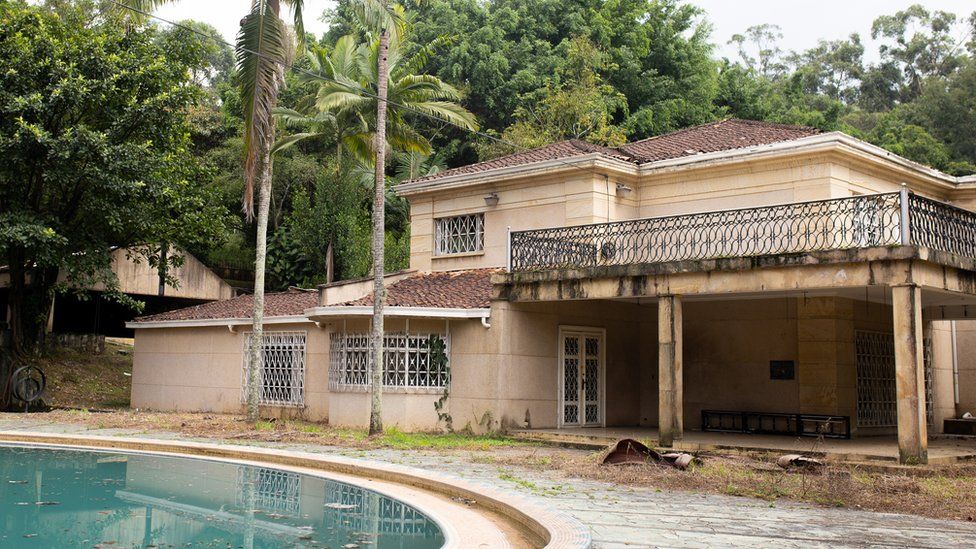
point(440, 362)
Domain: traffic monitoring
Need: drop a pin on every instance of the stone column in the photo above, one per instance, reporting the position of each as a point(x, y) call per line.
point(670, 370)
point(906, 303)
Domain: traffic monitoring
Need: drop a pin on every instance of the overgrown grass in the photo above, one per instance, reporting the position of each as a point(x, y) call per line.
point(80, 379)
point(395, 438)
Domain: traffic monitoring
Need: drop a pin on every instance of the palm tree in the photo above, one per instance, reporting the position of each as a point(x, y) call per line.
point(344, 105)
point(264, 48)
point(361, 84)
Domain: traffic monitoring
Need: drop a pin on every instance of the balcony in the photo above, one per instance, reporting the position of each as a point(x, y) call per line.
point(869, 221)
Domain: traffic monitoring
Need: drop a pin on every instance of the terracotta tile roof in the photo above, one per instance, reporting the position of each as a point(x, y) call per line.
point(447, 290)
point(723, 135)
point(561, 149)
point(715, 136)
point(290, 303)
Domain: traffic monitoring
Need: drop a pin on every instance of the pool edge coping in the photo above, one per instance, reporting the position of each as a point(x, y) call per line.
point(538, 521)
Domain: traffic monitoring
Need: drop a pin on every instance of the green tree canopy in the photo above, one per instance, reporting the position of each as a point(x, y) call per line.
point(96, 145)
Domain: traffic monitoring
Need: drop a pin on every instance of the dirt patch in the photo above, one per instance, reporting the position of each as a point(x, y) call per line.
point(232, 427)
point(78, 379)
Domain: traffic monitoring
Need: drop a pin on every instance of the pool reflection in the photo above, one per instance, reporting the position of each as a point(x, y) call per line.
point(64, 498)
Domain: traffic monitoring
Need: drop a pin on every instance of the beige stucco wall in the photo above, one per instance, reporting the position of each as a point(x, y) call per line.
point(200, 369)
point(966, 357)
point(195, 280)
point(506, 376)
point(568, 198)
point(529, 203)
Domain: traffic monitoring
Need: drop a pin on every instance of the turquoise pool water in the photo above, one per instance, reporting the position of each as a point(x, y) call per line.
point(72, 498)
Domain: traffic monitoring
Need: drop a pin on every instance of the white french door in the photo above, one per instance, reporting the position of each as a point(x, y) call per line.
point(581, 376)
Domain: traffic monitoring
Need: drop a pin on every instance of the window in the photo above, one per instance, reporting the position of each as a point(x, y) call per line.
point(274, 491)
point(282, 369)
point(459, 234)
point(418, 361)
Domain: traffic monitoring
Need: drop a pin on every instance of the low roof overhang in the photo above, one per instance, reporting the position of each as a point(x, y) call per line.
point(321, 313)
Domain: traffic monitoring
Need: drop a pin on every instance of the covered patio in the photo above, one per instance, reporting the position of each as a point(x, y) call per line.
point(873, 279)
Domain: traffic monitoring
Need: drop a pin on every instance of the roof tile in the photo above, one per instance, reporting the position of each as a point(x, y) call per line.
point(559, 150)
point(290, 303)
point(447, 290)
point(715, 136)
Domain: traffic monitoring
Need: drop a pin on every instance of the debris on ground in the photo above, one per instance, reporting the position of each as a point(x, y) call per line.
point(679, 460)
point(629, 451)
point(796, 461)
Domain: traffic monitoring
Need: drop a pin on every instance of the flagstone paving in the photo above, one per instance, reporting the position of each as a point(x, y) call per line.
point(621, 516)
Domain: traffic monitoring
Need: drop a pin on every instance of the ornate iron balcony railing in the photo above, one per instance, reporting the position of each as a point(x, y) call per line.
point(838, 224)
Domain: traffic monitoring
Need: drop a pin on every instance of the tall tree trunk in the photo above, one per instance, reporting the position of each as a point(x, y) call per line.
point(261, 250)
point(379, 222)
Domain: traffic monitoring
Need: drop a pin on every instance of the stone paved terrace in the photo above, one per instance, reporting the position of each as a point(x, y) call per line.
point(943, 449)
point(637, 517)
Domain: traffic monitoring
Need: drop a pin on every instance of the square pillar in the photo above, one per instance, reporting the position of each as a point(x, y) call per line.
point(670, 370)
point(906, 304)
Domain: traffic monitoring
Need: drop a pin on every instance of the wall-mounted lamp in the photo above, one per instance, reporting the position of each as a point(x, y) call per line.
point(623, 190)
point(491, 199)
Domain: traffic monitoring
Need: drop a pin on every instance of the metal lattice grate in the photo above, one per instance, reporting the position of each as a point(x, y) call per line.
point(275, 491)
point(591, 381)
point(459, 234)
point(571, 373)
point(365, 511)
point(876, 393)
point(407, 359)
point(282, 369)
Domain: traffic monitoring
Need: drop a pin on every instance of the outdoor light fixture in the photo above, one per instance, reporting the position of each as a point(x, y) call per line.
point(623, 190)
point(491, 199)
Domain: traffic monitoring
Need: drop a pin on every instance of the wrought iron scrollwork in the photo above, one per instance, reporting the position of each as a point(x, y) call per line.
point(942, 226)
point(844, 223)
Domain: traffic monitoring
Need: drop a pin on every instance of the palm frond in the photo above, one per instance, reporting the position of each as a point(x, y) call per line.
point(448, 112)
point(298, 22)
point(338, 98)
point(294, 119)
point(423, 87)
point(343, 57)
point(419, 59)
point(288, 141)
point(261, 50)
point(402, 137)
point(136, 15)
point(376, 15)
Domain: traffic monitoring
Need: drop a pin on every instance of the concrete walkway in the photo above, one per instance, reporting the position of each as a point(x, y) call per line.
point(639, 517)
point(943, 449)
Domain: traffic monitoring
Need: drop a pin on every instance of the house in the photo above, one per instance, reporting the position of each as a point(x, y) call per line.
point(92, 313)
point(734, 275)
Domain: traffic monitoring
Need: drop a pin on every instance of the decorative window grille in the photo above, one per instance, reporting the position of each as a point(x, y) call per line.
point(459, 234)
point(275, 491)
point(360, 510)
point(408, 360)
point(876, 394)
point(282, 369)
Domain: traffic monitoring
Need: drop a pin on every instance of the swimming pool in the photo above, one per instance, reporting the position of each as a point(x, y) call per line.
point(82, 498)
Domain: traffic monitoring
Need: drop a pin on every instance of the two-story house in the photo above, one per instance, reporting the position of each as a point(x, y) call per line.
point(733, 276)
